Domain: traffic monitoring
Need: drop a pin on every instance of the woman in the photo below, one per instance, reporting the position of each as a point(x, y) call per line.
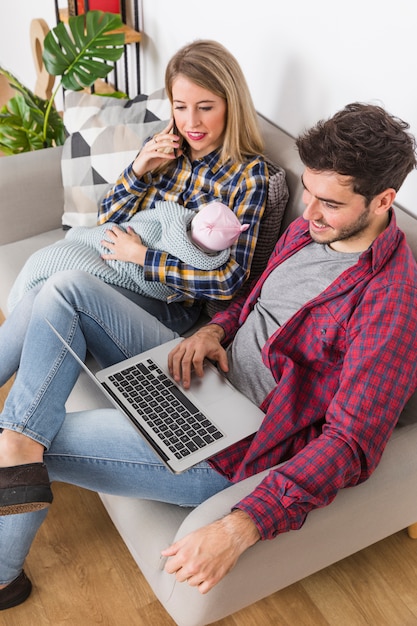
point(215, 155)
point(212, 155)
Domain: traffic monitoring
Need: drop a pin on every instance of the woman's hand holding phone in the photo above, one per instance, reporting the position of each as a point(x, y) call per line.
point(163, 146)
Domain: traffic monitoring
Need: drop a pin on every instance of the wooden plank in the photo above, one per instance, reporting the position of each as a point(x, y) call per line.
point(131, 35)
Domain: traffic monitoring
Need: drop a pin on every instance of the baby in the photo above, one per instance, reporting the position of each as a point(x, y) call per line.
point(215, 227)
point(201, 239)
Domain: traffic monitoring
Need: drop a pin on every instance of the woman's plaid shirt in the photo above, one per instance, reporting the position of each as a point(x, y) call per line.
point(242, 187)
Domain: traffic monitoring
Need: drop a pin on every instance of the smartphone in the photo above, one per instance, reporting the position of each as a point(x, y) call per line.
point(175, 132)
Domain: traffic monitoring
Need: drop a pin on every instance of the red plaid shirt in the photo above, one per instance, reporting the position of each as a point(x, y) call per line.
point(345, 364)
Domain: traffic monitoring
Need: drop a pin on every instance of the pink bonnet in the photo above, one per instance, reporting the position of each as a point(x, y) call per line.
point(215, 227)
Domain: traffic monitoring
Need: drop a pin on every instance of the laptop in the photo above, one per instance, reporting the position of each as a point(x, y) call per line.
point(182, 426)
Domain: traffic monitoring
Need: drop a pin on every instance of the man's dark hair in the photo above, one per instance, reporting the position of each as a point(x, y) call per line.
point(362, 141)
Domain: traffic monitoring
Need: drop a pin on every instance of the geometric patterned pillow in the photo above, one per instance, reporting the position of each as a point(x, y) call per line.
point(104, 136)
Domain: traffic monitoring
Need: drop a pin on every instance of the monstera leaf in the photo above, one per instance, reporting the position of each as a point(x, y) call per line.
point(22, 121)
point(85, 51)
point(20, 130)
point(80, 53)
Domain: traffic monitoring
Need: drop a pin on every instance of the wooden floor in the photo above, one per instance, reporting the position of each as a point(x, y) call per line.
point(83, 575)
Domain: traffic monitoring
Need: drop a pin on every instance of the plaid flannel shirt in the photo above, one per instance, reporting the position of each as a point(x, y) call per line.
point(242, 187)
point(344, 367)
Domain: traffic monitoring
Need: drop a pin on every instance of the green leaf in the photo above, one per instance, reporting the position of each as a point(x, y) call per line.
point(20, 127)
point(28, 95)
point(85, 50)
point(117, 95)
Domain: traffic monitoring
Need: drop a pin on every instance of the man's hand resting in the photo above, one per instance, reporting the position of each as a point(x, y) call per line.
point(189, 355)
point(205, 556)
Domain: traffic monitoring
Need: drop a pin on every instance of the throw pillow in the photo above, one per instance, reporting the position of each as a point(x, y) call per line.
point(104, 136)
point(269, 230)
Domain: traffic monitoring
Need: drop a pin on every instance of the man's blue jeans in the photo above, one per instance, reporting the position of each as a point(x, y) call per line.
point(99, 450)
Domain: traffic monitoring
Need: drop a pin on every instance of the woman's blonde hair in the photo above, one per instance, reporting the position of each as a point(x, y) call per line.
point(210, 65)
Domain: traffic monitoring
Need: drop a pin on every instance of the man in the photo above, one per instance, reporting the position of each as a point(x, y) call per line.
point(324, 339)
point(325, 343)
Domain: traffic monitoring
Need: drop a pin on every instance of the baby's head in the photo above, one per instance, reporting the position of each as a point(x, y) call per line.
point(215, 227)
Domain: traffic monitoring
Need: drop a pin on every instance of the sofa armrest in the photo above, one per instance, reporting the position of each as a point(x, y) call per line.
point(31, 192)
point(358, 517)
point(220, 504)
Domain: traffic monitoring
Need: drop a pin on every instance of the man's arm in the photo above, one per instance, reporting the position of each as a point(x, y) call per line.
point(379, 374)
point(206, 555)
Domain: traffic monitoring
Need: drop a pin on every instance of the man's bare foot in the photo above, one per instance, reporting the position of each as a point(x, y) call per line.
point(17, 449)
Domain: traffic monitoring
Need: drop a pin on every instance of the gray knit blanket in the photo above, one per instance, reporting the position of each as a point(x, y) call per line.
point(165, 227)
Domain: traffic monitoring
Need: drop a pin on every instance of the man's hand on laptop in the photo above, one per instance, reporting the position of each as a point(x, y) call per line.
point(205, 556)
point(189, 355)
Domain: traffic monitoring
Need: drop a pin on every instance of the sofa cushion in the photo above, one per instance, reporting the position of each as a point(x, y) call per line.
point(104, 136)
point(14, 255)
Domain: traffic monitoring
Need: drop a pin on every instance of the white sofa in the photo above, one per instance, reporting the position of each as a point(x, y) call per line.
point(31, 209)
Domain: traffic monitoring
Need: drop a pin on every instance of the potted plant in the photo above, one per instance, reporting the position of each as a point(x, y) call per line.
point(80, 53)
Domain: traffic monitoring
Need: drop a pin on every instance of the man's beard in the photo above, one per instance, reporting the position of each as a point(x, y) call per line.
point(348, 232)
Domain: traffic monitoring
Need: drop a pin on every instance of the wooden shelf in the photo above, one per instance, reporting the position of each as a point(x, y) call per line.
point(131, 35)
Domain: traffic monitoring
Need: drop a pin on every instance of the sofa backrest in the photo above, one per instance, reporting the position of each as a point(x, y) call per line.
point(280, 148)
point(408, 224)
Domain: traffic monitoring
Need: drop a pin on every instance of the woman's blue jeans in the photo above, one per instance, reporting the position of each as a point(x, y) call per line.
point(99, 450)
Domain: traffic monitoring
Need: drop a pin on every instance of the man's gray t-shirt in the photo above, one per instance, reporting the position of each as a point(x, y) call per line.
point(294, 282)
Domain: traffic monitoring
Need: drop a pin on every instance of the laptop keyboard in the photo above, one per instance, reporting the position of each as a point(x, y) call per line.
point(170, 414)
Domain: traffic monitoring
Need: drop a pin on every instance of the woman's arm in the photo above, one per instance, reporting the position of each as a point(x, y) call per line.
point(135, 189)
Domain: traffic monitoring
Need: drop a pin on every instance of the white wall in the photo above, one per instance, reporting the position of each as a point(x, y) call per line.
point(15, 45)
point(303, 60)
